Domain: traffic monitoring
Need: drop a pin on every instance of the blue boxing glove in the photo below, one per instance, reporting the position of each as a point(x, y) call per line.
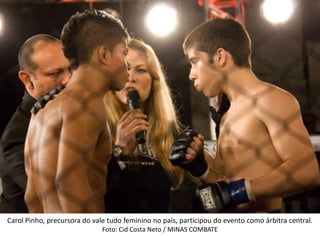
point(198, 167)
point(221, 195)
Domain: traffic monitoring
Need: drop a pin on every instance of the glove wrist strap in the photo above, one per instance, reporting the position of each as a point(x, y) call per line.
point(205, 174)
point(240, 191)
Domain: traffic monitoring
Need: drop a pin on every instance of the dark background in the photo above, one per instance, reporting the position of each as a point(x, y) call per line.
point(23, 19)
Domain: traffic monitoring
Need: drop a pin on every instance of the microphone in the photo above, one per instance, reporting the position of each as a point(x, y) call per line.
point(133, 100)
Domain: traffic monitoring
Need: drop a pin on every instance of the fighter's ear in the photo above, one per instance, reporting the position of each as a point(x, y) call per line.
point(221, 56)
point(25, 78)
point(104, 55)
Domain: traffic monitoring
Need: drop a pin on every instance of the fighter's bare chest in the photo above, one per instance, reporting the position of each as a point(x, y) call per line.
point(240, 130)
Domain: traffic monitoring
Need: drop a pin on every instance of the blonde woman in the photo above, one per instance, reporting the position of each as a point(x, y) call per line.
point(142, 182)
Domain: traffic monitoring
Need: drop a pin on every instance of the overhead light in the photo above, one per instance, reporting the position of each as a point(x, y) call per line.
point(161, 19)
point(277, 11)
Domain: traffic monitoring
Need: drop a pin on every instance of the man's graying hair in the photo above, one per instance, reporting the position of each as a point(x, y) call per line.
point(26, 50)
point(86, 30)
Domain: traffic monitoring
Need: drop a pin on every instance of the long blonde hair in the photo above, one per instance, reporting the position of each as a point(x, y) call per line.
point(164, 125)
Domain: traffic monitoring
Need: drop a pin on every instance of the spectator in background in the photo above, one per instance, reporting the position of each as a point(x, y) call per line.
point(43, 67)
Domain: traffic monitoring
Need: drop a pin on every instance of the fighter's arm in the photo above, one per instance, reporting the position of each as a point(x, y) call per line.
point(77, 143)
point(188, 152)
point(215, 165)
point(31, 196)
point(26, 158)
point(299, 169)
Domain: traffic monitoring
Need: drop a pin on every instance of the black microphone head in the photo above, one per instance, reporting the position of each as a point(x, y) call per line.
point(133, 99)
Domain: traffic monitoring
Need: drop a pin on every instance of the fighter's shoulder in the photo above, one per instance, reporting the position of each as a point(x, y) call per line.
point(275, 102)
point(275, 95)
point(68, 99)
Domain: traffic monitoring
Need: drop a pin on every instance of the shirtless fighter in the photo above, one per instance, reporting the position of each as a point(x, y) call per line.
point(68, 145)
point(263, 151)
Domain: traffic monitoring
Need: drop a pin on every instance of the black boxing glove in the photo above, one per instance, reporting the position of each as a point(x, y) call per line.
point(198, 167)
point(221, 195)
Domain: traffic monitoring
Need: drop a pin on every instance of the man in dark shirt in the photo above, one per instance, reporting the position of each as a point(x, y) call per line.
point(43, 67)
